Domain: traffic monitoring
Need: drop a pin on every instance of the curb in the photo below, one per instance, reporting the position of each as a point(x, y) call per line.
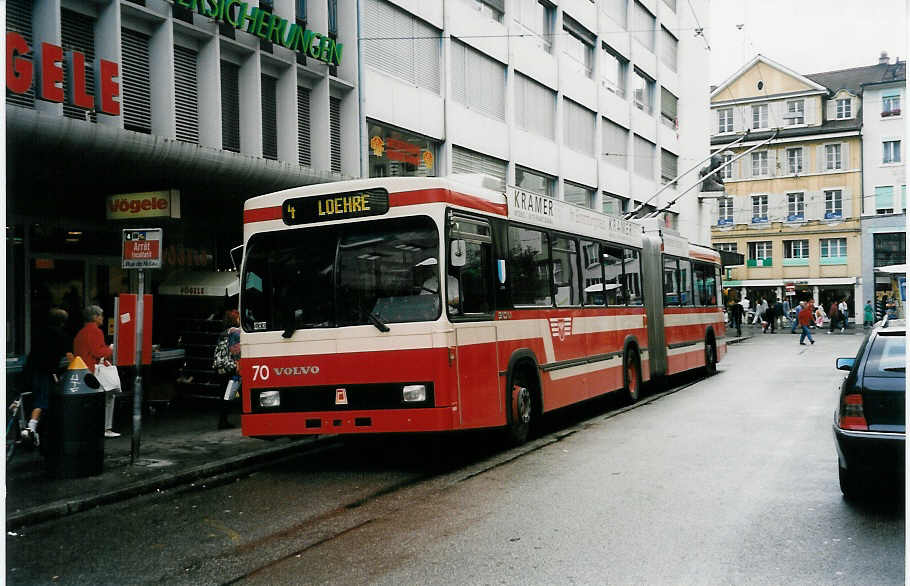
point(224, 468)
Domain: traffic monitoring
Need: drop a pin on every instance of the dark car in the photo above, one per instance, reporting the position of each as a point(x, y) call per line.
point(869, 420)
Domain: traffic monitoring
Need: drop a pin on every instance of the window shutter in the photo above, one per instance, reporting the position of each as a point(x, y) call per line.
point(186, 94)
point(269, 118)
point(457, 71)
point(578, 127)
point(746, 166)
point(303, 127)
point(137, 101)
point(401, 45)
point(772, 163)
point(820, 158)
point(615, 144)
point(335, 132)
point(847, 202)
point(425, 55)
point(19, 19)
point(465, 161)
point(845, 155)
point(230, 107)
point(78, 34)
point(379, 22)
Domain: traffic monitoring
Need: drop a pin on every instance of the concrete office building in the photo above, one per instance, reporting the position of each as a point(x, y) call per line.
point(170, 113)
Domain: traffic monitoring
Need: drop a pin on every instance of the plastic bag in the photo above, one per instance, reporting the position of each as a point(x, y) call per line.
point(108, 376)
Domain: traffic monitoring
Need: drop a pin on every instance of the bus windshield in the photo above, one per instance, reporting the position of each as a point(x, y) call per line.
point(374, 272)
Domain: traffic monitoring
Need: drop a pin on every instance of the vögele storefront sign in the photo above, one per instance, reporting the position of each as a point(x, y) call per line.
point(269, 27)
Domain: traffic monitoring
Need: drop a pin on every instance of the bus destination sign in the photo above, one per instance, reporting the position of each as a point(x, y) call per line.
point(335, 206)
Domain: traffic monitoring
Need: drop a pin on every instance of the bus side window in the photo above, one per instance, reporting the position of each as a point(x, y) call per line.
point(529, 267)
point(565, 271)
point(701, 283)
point(632, 271)
point(671, 282)
point(592, 274)
point(685, 282)
point(476, 278)
point(611, 257)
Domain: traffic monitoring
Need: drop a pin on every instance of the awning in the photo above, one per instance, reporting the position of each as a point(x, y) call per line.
point(892, 269)
point(201, 284)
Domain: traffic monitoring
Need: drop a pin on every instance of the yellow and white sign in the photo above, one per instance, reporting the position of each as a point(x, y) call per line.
point(146, 204)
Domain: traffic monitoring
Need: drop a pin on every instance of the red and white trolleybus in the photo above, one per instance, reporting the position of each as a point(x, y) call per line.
point(425, 304)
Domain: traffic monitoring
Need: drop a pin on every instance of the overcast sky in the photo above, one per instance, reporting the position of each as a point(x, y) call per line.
point(808, 36)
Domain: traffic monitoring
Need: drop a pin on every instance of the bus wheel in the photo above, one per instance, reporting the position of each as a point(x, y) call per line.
point(710, 358)
point(520, 408)
point(631, 375)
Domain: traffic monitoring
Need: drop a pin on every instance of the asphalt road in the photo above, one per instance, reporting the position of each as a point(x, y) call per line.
point(730, 480)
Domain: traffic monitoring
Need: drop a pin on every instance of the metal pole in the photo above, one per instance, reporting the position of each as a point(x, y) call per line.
point(137, 384)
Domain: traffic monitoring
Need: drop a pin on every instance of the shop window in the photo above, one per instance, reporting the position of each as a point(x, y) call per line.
point(398, 153)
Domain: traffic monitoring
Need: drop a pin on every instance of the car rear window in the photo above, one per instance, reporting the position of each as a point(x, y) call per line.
point(888, 356)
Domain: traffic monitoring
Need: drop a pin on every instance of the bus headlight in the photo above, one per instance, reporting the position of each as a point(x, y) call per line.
point(414, 393)
point(270, 398)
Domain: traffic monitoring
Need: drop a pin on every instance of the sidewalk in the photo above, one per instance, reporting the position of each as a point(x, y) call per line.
point(179, 444)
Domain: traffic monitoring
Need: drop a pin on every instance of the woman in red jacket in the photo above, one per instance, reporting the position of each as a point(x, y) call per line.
point(803, 318)
point(89, 345)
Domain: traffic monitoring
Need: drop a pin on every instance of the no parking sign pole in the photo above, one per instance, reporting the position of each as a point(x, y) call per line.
point(141, 250)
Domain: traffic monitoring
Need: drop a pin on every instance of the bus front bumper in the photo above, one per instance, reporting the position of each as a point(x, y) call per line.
point(350, 422)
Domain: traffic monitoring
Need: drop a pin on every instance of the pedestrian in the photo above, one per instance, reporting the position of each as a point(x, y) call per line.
point(736, 310)
point(819, 317)
point(90, 347)
point(785, 311)
point(778, 316)
point(745, 303)
point(770, 318)
point(804, 317)
point(227, 353)
point(868, 314)
point(801, 306)
point(760, 310)
point(42, 367)
point(833, 315)
point(844, 313)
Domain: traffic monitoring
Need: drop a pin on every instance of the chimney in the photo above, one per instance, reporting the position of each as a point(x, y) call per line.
point(883, 58)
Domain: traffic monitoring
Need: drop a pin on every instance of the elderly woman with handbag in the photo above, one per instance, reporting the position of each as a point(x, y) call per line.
point(89, 345)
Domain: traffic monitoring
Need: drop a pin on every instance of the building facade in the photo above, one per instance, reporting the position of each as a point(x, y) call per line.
point(884, 216)
point(583, 101)
point(792, 205)
point(170, 113)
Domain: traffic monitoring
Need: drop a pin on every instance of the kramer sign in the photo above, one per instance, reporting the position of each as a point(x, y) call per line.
point(269, 27)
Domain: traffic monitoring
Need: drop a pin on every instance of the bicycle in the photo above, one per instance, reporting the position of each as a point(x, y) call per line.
point(16, 421)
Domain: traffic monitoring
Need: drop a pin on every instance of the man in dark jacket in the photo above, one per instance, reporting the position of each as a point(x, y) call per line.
point(736, 311)
point(42, 366)
point(833, 316)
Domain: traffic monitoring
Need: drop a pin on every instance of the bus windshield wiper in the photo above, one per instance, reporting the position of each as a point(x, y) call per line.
point(377, 321)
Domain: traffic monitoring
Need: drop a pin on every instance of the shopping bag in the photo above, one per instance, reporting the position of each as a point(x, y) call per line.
point(232, 389)
point(108, 376)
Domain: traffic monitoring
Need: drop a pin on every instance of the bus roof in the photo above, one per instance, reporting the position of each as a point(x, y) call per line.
point(516, 204)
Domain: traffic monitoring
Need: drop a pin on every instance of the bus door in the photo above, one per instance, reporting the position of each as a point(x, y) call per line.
point(470, 308)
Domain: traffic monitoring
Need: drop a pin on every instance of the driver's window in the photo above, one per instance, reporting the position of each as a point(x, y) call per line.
point(469, 288)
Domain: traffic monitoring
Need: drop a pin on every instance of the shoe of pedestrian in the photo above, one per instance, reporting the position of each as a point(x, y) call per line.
point(828, 332)
point(111, 433)
point(812, 341)
point(842, 330)
point(802, 343)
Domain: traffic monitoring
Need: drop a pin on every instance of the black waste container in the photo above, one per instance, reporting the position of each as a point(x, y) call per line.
point(73, 440)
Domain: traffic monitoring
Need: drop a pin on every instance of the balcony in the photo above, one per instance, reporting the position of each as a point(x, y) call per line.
point(796, 262)
point(833, 260)
point(759, 262)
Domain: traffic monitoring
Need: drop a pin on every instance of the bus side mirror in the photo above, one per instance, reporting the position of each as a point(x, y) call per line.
point(458, 256)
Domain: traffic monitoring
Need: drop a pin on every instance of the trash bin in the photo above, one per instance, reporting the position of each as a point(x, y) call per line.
point(75, 435)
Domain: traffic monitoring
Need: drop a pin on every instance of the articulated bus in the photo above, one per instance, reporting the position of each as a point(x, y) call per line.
point(401, 305)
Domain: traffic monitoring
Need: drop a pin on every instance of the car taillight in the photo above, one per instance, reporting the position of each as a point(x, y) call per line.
point(851, 413)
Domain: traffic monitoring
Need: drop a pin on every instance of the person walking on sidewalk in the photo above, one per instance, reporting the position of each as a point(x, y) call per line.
point(42, 367)
point(90, 347)
point(785, 312)
point(868, 314)
point(804, 317)
point(801, 306)
point(760, 309)
point(844, 313)
point(833, 316)
point(227, 353)
point(736, 318)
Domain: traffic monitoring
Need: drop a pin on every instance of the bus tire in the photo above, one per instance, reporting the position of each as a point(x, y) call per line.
point(631, 375)
point(519, 408)
point(710, 357)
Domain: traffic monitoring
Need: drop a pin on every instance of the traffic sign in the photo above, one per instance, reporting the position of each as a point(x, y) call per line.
point(142, 248)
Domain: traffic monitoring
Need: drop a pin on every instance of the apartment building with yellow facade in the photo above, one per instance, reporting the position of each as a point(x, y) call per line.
point(791, 206)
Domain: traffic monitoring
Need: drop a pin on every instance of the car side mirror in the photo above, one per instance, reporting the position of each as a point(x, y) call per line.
point(845, 363)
